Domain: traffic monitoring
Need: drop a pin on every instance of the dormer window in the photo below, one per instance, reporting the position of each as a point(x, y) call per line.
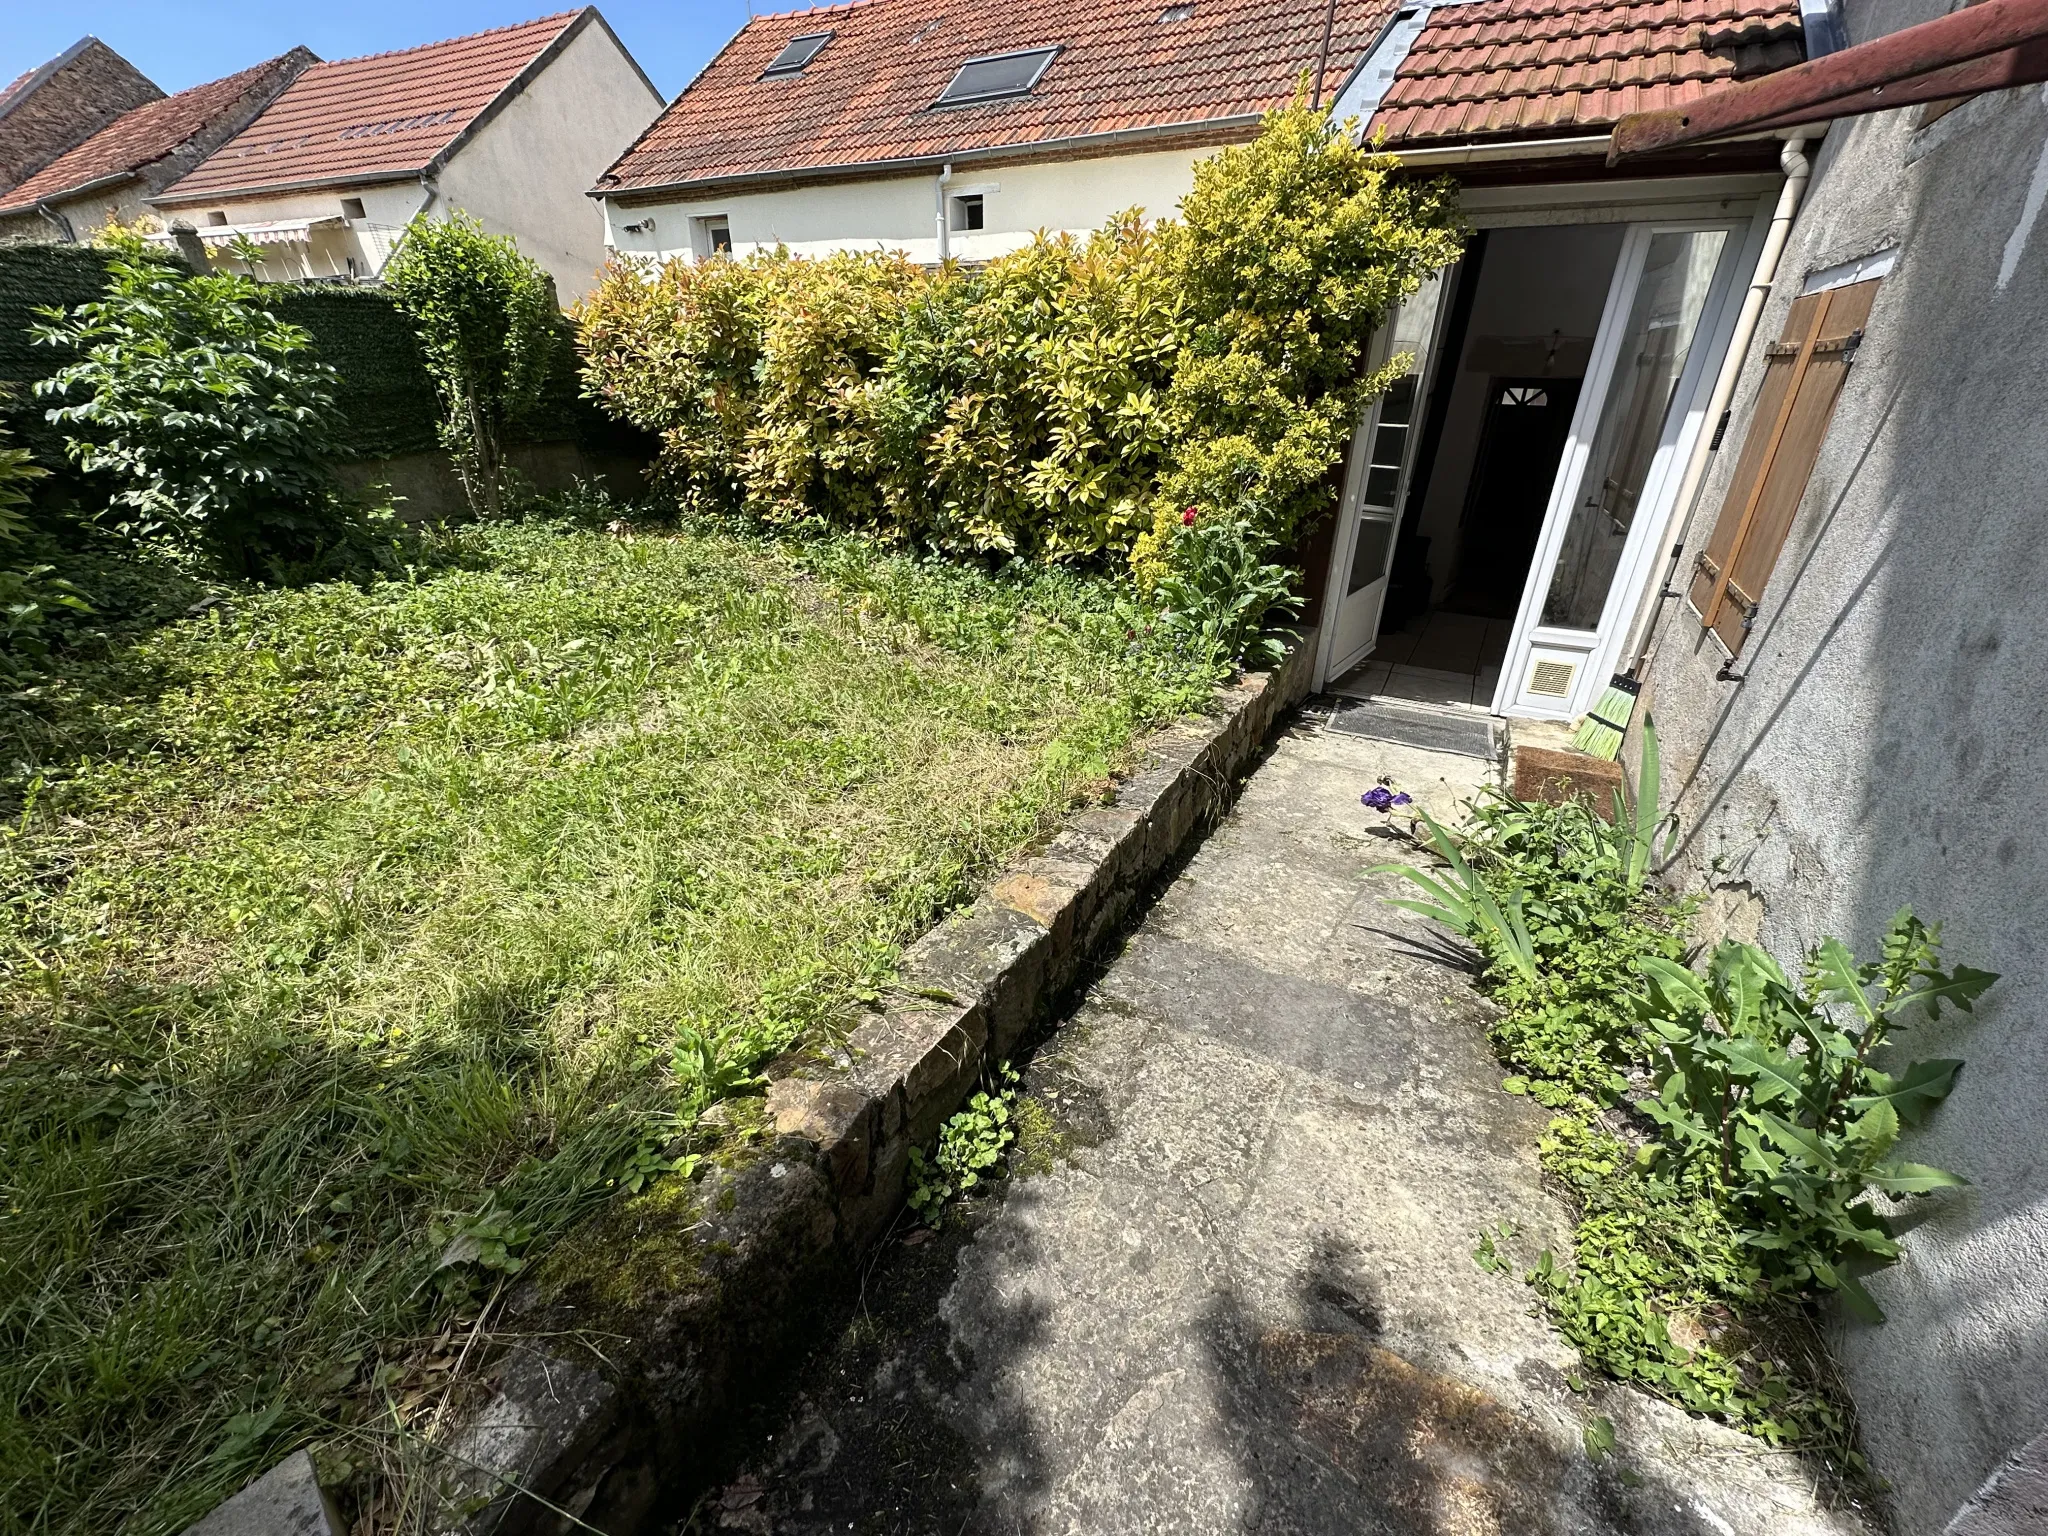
point(997, 76)
point(796, 54)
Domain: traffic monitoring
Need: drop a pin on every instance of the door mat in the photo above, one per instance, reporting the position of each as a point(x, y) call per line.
point(1414, 725)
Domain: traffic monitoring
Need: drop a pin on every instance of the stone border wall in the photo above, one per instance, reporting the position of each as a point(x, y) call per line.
point(555, 1432)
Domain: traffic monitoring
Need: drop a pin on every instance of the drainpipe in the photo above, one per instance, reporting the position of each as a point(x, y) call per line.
point(945, 230)
point(1798, 170)
point(65, 233)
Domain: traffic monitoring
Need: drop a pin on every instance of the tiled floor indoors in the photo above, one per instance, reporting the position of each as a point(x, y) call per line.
point(1438, 658)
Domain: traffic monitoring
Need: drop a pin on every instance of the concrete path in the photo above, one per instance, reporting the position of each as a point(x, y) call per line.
point(1240, 1296)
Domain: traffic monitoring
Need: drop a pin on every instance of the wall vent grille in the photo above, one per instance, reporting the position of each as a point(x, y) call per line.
point(1552, 679)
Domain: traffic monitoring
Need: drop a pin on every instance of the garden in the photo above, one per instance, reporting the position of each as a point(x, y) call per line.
point(1726, 1132)
point(383, 900)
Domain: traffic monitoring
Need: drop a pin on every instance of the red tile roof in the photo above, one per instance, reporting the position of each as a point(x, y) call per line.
point(1531, 68)
point(381, 117)
point(867, 98)
point(146, 134)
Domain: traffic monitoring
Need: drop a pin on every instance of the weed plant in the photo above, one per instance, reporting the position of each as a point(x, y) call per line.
point(359, 940)
point(1720, 1134)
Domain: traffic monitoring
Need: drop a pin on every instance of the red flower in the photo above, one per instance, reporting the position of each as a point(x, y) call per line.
point(1187, 518)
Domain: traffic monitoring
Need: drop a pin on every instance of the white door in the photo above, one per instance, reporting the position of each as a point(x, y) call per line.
point(1630, 435)
point(1376, 477)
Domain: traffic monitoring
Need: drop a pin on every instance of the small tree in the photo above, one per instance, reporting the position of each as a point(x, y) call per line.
point(486, 319)
point(209, 412)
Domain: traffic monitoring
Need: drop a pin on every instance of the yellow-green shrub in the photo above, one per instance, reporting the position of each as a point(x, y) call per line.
point(1070, 400)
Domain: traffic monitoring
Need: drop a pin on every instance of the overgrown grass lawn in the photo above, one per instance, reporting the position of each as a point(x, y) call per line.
point(359, 941)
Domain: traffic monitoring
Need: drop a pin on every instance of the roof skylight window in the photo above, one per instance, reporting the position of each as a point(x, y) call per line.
point(992, 78)
point(798, 52)
point(1180, 12)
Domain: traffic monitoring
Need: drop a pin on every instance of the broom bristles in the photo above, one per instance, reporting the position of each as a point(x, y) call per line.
point(1600, 733)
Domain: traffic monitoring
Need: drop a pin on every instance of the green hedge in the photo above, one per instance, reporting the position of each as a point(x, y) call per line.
point(387, 399)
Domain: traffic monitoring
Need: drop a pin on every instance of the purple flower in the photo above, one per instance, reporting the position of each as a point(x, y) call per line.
point(1382, 799)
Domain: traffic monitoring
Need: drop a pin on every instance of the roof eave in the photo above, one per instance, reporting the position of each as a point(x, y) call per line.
point(65, 194)
point(913, 165)
point(1991, 46)
point(172, 198)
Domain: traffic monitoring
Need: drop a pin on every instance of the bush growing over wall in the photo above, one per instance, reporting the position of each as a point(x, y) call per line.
point(204, 415)
point(485, 317)
point(1070, 400)
point(385, 398)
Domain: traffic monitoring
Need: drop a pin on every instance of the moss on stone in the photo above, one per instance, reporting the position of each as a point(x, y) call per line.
point(632, 1251)
point(1040, 1141)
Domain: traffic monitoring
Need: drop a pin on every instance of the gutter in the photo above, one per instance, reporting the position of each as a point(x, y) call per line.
point(1987, 47)
point(932, 164)
point(1430, 155)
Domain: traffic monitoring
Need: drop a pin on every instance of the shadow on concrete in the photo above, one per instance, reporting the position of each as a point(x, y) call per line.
point(1341, 1434)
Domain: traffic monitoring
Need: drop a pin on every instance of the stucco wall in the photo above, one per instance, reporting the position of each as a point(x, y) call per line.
point(1887, 744)
point(388, 207)
point(527, 172)
point(900, 213)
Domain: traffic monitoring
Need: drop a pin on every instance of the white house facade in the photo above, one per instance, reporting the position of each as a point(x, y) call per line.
point(508, 126)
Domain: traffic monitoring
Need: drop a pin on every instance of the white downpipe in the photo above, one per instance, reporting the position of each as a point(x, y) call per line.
point(945, 223)
point(1798, 170)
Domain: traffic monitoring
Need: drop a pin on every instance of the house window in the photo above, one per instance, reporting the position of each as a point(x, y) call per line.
point(352, 208)
point(992, 78)
point(798, 52)
point(1803, 374)
point(1182, 12)
point(968, 212)
point(711, 236)
point(1524, 394)
point(216, 219)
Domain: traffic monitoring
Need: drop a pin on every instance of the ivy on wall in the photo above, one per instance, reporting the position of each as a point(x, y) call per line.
point(386, 398)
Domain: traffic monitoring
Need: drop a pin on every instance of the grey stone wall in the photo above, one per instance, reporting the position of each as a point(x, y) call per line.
point(1885, 745)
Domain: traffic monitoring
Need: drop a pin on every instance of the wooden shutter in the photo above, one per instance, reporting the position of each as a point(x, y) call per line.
point(1803, 375)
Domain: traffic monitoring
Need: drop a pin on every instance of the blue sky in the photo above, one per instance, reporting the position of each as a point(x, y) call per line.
point(183, 42)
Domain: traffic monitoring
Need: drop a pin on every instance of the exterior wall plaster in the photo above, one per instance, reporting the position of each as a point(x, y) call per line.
point(901, 212)
point(528, 171)
point(1886, 744)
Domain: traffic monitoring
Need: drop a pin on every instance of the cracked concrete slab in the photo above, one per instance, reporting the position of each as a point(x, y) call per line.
point(1243, 1301)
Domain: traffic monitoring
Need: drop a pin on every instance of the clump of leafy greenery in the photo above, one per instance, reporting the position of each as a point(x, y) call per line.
point(1722, 1134)
point(488, 327)
point(362, 939)
point(209, 416)
point(1219, 595)
point(1777, 1087)
point(1069, 401)
point(29, 594)
point(971, 1145)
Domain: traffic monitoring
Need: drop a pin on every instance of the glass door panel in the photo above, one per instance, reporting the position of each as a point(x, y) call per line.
point(1677, 280)
point(1382, 458)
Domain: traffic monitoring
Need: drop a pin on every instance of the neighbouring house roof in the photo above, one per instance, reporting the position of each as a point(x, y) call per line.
point(383, 117)
point(61, 103)
point(1557, 68)
point(138, 139)
point(865, 102)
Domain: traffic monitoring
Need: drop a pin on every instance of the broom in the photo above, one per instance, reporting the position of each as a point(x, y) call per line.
point(1606, 722)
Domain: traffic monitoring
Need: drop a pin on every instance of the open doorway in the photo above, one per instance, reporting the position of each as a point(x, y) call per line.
point(1502, 500)
point(1511, 353)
